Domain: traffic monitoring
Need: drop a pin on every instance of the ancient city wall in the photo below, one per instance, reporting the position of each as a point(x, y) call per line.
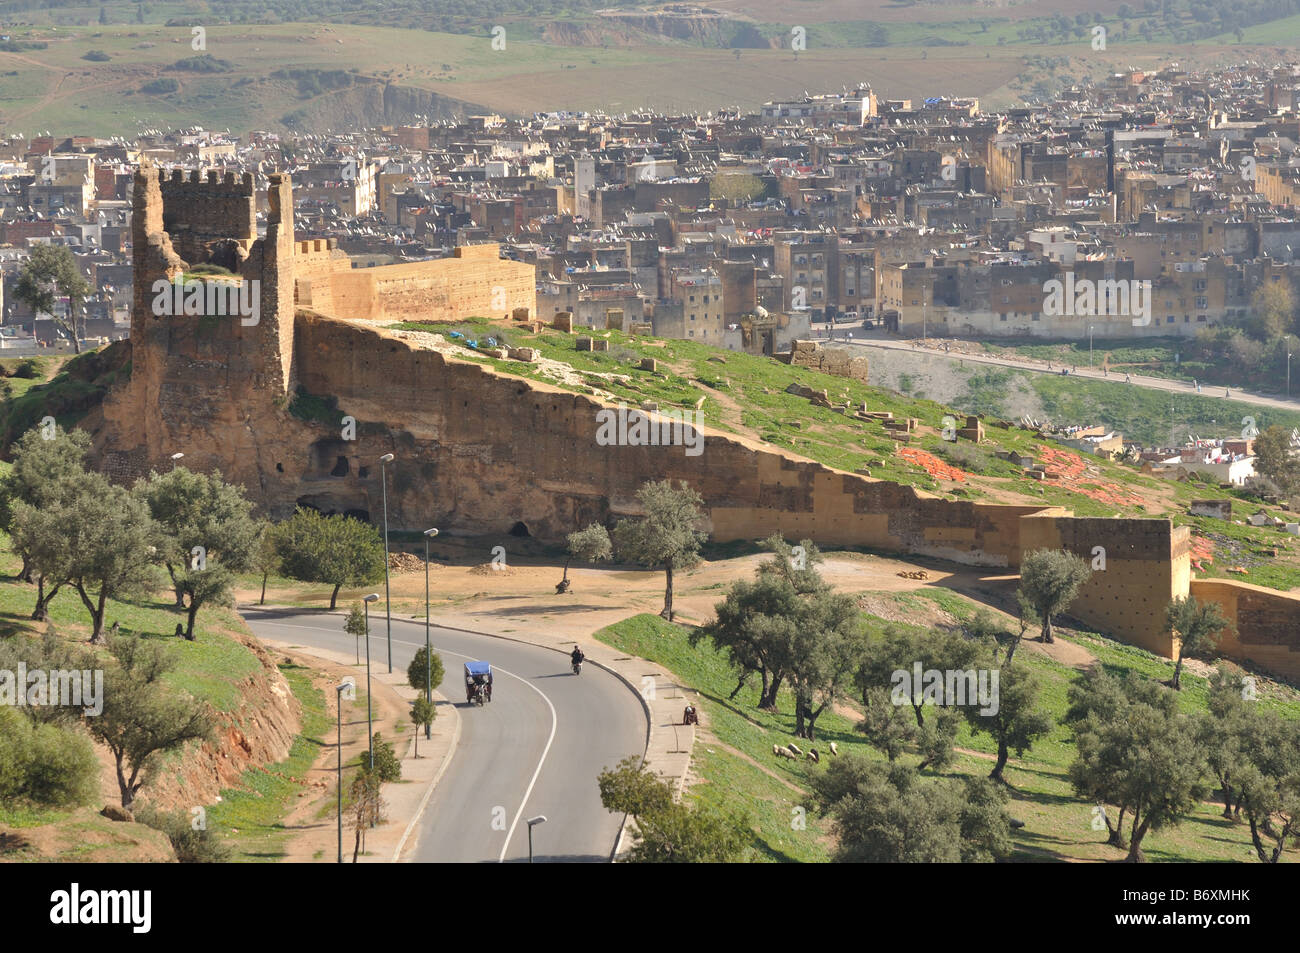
point(314, 263)
point(1267, 623)
point(481, 452)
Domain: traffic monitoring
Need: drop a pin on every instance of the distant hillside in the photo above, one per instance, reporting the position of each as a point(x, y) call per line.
point(102, 69)
point(724, 23)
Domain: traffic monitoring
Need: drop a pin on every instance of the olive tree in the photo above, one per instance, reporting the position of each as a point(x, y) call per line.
point(208, 535)
point(1050, 580)
point(1161, 785)
point(1197, 626)
point(667, 535)
point(891, 813)
point(1017, 721)
point(51, 272)
point(755, 626)
point(665, 831)
point(113, 541)
point(588, 545)
point(142, 718)
point(1270, 784)
point(48, 467)
point(337, 550)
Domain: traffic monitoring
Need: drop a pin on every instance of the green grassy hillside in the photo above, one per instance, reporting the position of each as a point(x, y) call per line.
point(737, 770)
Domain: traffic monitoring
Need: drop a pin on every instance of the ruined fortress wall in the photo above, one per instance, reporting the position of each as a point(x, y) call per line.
point(1147, 563)
point(479, 452)
point(805, 499)
point(1267, 623)
point(275, 268)
point(509, 451)
point(318, 258)
point(314, 263)
point(828, 360)
point(494, 440)
point(204, 386)
point(448, 289)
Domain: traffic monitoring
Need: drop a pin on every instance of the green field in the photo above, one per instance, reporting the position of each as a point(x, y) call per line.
point(1159, 357)
point(738, 771)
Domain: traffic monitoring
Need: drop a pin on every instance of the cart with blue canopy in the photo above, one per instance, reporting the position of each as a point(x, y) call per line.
point(478, 683)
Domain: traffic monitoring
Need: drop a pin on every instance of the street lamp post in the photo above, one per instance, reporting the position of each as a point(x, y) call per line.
point(1090, 345)
point(1288, 373)
point(428, 656)
point(532, 822)
point(338, 707)
point(388, 602)
point(370, 721)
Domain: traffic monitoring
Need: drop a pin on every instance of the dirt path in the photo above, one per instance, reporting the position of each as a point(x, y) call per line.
point(734, 416)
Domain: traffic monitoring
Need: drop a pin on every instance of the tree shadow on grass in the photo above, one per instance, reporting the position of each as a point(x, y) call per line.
point(1041, 847)
point(771, 853)
point(538, 610)
point(14, 623)
point(1042, 797)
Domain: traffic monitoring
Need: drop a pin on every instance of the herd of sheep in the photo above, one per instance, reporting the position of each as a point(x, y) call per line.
point(793, 752)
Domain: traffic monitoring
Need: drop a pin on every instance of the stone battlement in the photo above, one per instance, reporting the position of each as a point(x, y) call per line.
point(214, 182)
point(198, 212)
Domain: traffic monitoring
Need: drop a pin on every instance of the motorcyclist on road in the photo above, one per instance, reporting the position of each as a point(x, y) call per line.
point(576, 656)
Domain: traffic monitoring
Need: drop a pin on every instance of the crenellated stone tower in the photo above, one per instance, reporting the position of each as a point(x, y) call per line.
point(211, 384)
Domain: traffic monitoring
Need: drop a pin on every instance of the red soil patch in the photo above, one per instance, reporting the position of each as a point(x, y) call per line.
point(932, 465)
point(1069, 469)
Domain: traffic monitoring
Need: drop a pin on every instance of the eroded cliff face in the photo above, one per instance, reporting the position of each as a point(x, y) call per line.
point(370, 100)
point(618, 28)
point(258, 733)
point(481, 452)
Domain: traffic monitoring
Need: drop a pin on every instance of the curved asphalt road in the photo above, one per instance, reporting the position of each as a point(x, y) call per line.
point(536, 748)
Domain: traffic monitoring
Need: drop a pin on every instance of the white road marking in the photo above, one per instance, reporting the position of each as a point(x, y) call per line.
point(545, 751)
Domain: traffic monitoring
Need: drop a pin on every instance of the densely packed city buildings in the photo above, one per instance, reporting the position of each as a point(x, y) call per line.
point(1152, 204)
